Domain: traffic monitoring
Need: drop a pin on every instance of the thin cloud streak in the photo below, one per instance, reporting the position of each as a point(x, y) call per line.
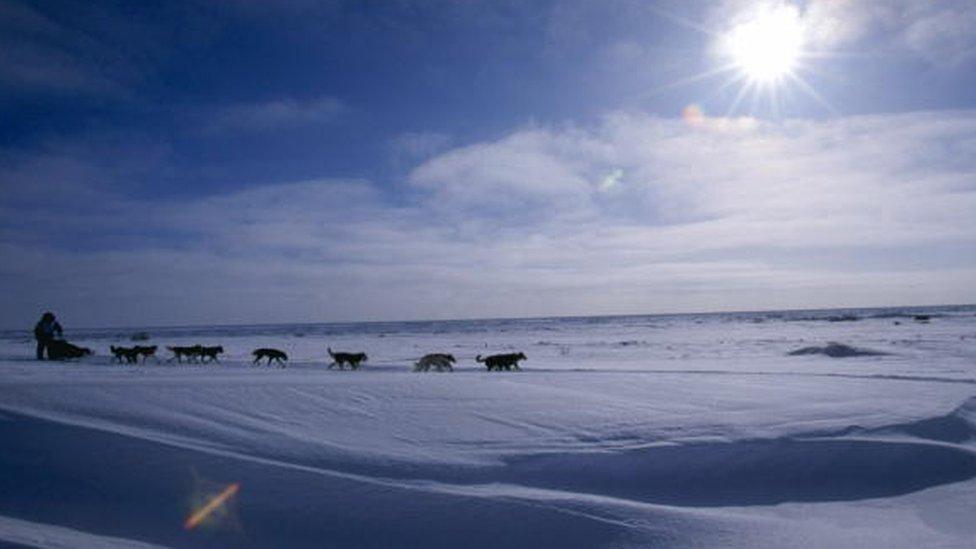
point(275, 114)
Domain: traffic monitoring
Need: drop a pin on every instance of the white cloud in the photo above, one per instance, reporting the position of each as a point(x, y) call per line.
point(733, 215)
point(942, 32)
point(672, 173)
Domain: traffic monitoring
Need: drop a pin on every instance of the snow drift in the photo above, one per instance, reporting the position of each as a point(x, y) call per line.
point(703, 434)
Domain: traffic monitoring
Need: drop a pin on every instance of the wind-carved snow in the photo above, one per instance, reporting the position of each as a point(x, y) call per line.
point(635, 431)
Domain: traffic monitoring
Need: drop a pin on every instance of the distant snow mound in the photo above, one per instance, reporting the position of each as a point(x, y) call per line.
point(843, 318)
point(835, 350)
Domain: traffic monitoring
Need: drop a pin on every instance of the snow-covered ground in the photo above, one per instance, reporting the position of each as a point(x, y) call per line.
point(673, 431)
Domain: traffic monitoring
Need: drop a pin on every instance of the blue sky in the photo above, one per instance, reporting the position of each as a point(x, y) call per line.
point(246, 161)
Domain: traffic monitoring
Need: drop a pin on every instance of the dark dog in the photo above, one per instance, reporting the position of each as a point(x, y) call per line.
point(271, 354)
point(506, 362)
point(131, 355)
point(146, 352)
point(195, 353)
point(352, 359)
point(439, 361)
point(210, 353)
point(59, 349)
point(192, 353)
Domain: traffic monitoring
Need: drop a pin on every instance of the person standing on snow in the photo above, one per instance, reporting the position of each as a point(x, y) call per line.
point(44, 332)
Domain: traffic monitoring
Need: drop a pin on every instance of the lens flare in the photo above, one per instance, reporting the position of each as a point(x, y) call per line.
point(201, 514)
point(693, 115)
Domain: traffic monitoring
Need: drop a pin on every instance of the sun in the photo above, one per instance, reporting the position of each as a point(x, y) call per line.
point(763, 55)
point(767, 47)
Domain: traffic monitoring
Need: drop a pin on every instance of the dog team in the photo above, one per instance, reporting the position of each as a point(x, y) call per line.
point(48, 333)
point(440, 362)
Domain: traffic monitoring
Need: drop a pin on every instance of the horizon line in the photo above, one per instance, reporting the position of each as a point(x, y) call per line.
point(534, 317)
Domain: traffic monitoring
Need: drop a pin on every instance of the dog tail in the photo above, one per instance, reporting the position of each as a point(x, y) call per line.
point(478, 359)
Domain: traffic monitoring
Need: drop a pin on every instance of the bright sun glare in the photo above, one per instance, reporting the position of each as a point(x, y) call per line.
point(767, 47)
